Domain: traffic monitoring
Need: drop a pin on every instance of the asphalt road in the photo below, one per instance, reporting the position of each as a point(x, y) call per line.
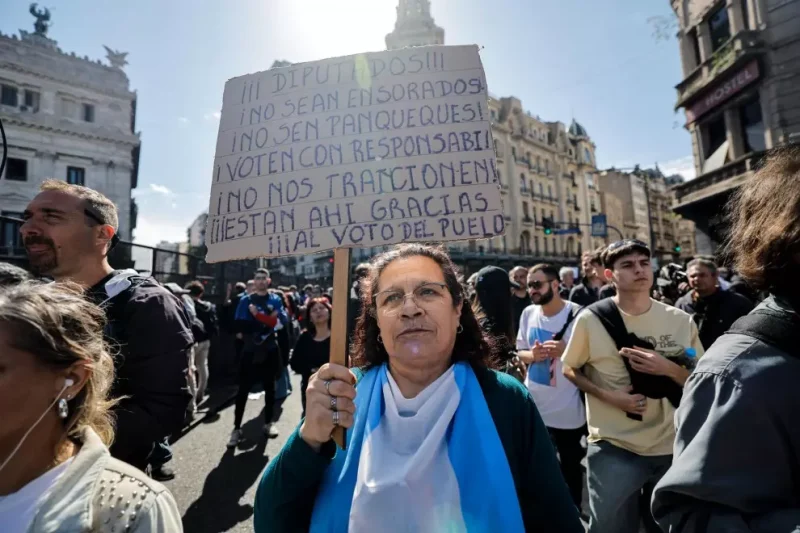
point(215, 487)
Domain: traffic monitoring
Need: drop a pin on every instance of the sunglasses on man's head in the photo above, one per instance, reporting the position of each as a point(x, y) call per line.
point(94, 216)
point(625, 242)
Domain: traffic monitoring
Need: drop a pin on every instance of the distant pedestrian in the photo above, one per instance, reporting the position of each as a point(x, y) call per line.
point(520, 299)
point(313, 348)
point(206, 313)
point(259, 316)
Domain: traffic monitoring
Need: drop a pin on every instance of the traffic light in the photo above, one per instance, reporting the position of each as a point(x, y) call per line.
point(547, 224)
point(677, 248)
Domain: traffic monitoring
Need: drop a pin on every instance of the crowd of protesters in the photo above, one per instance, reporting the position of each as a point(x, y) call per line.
point(675, 388)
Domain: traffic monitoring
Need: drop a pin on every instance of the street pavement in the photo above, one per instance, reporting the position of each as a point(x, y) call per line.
point(215, 487)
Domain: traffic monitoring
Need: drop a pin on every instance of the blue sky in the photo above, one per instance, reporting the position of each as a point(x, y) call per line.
point(595, 60)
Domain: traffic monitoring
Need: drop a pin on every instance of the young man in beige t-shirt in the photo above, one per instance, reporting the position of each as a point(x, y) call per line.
point(625, 454)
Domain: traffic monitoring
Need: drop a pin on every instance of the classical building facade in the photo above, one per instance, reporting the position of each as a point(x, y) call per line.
point(741, 65)
point(65, 118)
point(646, 200)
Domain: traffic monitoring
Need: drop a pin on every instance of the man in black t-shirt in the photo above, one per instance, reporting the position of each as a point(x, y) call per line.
point(68, 232)
point(520, 299)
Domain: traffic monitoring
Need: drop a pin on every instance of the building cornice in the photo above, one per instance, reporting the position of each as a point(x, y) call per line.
point(37, 121)
point(72, 82)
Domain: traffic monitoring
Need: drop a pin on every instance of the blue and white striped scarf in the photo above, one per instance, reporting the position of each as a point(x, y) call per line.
point(482, 499)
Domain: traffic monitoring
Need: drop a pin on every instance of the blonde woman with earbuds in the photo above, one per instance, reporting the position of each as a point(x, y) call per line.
point(56, 473)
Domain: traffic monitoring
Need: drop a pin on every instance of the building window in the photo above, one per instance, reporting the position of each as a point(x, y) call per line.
point(541, 190)
point(493, 114)
point(32, 99)
point(16, 169)
point(547, 166)
point(10, 232)
point(76, 176)
point(514, 152)
point(587, 155)
point(534, 213)
point(549, 191)
point(538, 164)
point(752, 126)
point(745, 14)
point(536, 244)
point(88, 112)
point(8, 95)
point(694, 44)
point(531, 184)
point(522, 180)
point(714, 134)
point(719, 27)
point(546, 249)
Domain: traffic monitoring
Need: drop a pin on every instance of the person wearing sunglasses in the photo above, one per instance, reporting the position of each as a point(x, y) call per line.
point(68, 233)
point(630, 434)
point(544, 330)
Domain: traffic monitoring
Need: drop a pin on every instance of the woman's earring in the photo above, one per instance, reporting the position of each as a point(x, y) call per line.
point(380, 340)
point(63, 409)
point(460, 329)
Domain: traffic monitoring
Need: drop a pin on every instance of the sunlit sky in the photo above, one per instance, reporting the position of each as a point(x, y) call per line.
point(597, 61)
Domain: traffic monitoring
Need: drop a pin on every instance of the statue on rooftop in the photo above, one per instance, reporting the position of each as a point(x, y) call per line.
point(115, 58)
point(42, 19)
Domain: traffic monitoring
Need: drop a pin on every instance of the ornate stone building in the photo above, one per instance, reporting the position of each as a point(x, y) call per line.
point(741, 63)
point(546, 171)
point(66, 118)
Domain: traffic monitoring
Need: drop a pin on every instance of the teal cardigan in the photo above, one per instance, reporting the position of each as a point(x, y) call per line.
point(287, 492)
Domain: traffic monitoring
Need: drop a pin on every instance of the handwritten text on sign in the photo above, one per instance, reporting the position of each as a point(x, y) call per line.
point(363, 150)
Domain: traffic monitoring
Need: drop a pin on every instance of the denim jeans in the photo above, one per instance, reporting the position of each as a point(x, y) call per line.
point(615, 480)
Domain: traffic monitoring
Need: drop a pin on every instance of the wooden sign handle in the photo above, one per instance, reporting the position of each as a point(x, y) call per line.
point(341, 298)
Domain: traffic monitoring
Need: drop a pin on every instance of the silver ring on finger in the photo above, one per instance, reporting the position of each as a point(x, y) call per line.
point(642, 403)
point(328, 385)
point(333, 403)
point(336, 418)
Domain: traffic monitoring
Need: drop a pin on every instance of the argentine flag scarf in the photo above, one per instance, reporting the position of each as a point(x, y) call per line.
point(442, 470)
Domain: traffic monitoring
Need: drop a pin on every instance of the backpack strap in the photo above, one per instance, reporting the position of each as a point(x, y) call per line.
point(608, 313)
point(770, 327)
point(572, 315)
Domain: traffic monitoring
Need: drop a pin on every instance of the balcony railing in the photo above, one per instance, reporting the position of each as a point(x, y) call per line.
point(693, 190)
point(746, 43)
point(527, 221)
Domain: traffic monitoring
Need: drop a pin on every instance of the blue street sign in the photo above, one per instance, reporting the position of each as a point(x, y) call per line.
point(599, 226)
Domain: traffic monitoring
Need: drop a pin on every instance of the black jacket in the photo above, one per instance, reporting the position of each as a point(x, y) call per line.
point(150, 330)
point(736, 466)
point(715, 314)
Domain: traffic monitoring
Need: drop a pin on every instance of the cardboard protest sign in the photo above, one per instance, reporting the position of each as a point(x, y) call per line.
point(363, 150)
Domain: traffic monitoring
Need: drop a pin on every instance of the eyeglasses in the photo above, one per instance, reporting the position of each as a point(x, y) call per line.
point(115, 238)
point(625, 242)
point(425, 295)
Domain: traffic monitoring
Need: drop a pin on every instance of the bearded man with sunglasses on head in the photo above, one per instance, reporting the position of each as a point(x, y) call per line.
point(68, 233)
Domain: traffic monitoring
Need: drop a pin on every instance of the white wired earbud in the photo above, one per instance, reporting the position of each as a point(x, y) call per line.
point(67, 383)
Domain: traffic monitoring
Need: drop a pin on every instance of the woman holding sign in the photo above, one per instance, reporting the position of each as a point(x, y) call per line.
point(436, 440)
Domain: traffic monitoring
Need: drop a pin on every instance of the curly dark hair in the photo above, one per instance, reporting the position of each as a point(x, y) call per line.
point(471, 344)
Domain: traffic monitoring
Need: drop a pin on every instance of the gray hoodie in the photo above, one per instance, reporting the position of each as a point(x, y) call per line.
point(99, 494)
point(736, 466)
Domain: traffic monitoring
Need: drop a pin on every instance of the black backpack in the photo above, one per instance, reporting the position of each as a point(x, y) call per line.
point(206, 313)
point(656, 387)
